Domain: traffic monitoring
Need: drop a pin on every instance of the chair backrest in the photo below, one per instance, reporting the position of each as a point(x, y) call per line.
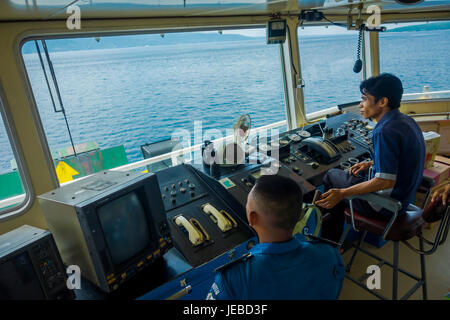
point(154, 149)
point(434, 211)
point(424, 189)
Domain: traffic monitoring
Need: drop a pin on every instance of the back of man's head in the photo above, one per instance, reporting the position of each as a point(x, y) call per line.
point(385, 85)
point(279, 199)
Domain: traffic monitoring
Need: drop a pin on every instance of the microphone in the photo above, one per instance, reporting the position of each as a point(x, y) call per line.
point(358, 66)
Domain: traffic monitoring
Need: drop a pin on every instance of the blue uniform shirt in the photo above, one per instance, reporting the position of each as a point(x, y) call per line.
point(287, 270)
point(399, 154)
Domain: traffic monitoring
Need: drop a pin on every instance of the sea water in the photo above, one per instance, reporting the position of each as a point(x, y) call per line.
point(138, 95)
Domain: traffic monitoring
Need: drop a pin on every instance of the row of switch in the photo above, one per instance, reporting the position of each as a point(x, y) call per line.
point(182, 189)
point(180, 183)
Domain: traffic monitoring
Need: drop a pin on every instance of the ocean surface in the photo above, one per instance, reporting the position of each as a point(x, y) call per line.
point(133, 96)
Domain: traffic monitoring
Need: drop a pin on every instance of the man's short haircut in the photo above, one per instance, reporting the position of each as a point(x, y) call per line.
point(281, 198)
point(385, 85)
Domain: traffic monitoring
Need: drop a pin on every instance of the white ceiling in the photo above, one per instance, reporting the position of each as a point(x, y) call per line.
point(90, 9)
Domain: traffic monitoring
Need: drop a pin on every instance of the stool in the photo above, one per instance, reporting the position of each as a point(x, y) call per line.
point(398, 229)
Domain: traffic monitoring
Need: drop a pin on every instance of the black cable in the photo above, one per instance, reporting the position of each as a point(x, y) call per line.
point(359, 43)
point(336, 24)
point(55, 83)
point(45, 75)
point(358, 63)
point(290, 49)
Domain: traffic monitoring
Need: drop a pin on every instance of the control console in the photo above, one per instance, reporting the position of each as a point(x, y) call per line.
point(204, 220)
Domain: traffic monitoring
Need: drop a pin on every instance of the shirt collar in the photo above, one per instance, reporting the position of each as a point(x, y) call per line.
point(388, 116)
point(276, 247)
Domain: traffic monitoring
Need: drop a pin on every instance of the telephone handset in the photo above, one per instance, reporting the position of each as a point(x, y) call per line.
point(195, 236)
point(223, 220)
point(322, 147)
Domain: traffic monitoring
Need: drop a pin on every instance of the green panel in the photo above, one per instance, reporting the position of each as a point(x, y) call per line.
point(81, 148)
point(95, 161)
point(10, 185)
point(114, 157)
point(85, 163)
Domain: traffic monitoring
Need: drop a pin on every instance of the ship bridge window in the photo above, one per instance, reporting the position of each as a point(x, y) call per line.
point(419, 54)
point(327, 57)
point(106, 97)
point(13, 190)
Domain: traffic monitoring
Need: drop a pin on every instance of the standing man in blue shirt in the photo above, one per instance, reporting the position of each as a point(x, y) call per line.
point(279, 266)
point(398, 158)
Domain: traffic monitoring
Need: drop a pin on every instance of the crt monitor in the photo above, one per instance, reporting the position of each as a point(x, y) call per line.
point(124, 226)
point(111, 224)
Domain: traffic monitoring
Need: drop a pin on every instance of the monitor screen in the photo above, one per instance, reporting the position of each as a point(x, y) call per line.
point(18, 280)
point(125, 227)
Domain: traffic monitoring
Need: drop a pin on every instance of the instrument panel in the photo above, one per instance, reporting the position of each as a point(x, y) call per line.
point(338, 142)
point(203, 218)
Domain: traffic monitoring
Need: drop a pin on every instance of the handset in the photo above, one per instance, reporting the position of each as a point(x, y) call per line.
point(195, 236)
point(223, 223)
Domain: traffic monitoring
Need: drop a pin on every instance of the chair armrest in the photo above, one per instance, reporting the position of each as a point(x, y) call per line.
point(381, 200)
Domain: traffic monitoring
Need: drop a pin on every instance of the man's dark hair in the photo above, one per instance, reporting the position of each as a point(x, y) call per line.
point(385, 85)
point(281, 197)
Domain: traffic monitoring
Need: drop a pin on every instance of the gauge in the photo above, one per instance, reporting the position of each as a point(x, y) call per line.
point(304, 134)
point(295, 137)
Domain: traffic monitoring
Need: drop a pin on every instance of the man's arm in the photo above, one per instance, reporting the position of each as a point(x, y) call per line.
point(334, 196)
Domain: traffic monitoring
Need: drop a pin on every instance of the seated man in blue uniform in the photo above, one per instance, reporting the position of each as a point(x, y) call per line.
point(279, 266)
point(398, 158)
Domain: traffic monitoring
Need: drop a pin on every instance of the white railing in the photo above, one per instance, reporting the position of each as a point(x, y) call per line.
point(427, 95)
point(139, 164)
point(197, 147)
point(321, 113)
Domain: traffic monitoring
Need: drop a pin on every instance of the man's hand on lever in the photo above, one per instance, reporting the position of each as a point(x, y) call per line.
point(361, 166)
point(334, 196)
point(330, 198)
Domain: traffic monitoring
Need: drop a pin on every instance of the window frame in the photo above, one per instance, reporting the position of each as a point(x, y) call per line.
point(89, 34)
point(22, 207)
